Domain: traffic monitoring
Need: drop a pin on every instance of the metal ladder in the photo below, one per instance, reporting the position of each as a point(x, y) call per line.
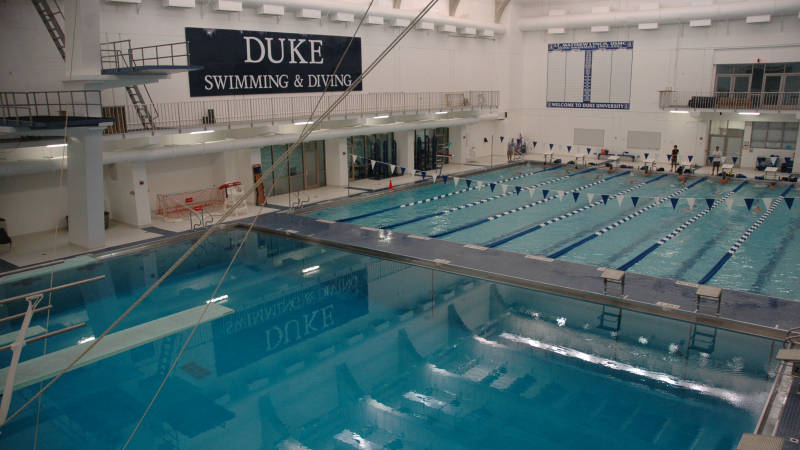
point(610, 320)
point(142, 110)
point(48, 15)
point(702, 339)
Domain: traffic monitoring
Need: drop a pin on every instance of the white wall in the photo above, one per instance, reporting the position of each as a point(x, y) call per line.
point(33, 203)
point(675, 56)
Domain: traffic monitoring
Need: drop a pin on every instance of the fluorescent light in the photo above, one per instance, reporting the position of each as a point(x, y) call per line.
point(85, 340)
point(202, 132)
point(56, 145)
point(310, 269)
point(678, 111)
point(304, 122)
point(382, 116)
point(221, 298)
point(441, 112)
point(749, 113)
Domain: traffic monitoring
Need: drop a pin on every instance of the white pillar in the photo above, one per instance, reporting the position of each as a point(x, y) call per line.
point(83, 49)
point(336, 162)
point(85, 188)
point(405, 149)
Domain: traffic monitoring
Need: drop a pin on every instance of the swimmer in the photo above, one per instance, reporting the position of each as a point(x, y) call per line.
point(631, 181)
point(596, 178)
point(772, 185)
point(683, 177)
point(757, 210)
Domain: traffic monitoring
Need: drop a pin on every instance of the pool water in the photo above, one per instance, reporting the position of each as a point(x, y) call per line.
point(368, 353)
point(763, 263)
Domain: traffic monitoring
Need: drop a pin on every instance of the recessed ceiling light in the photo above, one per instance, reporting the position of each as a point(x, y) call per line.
point(202, 132)
point(749, 113)
point(679, 111)
point(56, 145)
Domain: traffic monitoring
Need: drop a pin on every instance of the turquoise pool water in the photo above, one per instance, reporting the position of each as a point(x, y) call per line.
point(367, 353)
point(763, 263)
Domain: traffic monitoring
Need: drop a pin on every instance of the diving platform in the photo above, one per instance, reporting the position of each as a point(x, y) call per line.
point(119, 58)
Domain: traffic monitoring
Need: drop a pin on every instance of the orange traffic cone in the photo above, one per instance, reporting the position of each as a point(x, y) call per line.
point(390, 184)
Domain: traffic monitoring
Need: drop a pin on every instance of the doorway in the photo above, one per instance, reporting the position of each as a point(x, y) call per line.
point(729, 136)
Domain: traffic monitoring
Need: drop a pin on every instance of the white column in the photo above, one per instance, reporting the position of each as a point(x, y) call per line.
point(336, 163)
point(458, 147)
point(405, 149)
point(85, 188)
point(83, 49)
point(128, 197)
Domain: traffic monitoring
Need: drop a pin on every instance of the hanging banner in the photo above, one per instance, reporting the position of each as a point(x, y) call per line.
point(238, 62)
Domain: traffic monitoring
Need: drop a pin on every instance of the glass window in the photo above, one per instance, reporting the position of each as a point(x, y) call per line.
point(774, 135)
point(775, 68)
point(743, 69)
point(723, 84)
point(793, 67)
point(725, 68)
point(741, 84)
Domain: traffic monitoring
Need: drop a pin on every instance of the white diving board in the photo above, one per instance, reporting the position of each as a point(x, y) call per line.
point(8, 338)
point(45, 367)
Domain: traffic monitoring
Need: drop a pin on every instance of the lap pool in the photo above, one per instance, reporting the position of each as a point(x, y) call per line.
point(738, 235)
point(306, 346)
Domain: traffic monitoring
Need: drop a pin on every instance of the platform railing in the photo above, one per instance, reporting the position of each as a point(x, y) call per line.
point(22, 107)
point(740, 101)
point(203, 113)
point(116, 55)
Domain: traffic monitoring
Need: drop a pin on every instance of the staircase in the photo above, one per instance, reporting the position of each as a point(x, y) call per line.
point(48, 15)
point(146, 116)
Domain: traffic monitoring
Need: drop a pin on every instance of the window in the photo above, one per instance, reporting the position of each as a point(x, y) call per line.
point(774, 135)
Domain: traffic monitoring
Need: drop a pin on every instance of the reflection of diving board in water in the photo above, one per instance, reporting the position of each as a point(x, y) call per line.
point(47, 366)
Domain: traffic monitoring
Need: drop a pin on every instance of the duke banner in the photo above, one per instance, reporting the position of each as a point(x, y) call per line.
point(237, 62)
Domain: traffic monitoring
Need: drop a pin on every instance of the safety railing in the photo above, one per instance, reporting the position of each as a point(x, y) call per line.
point(119, 55)
point(19, 107)
point(742, 101)
point(201, 113)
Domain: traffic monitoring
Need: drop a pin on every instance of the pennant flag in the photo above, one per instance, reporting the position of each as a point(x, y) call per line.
point(355, 158)
point(491, 186)
point(691, 157)
point(518, 189)
point(504, 187)
point(501, 138)
point(456, 180)
point(773, 159)
point(372, 163)
point(590, 197)
point(789, 202)
point(735, 158)
point(534, 144)
point(646, 155)
point(729, 203)
point(569, 147)
point(709, 202)
point(604, 197)
point(690, 201)
point(531, 191)
point(620, 198)
point(551, 146)
point(391, 169)
point(635, 200)
point(480, 185)
point(444, 177)
point(402, 171)
point(710, 159)
point(424, 174)
point(748, 202)
point(545, 192)
point(588, 150)
point(434, 177)
point(575, 196)
point(468, 183)
point(560, 195)
point(674, 202)
point(767, 201)
point(669, 157)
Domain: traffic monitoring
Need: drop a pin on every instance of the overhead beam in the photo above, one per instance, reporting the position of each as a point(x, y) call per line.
point(499, 7)
point(453, 7)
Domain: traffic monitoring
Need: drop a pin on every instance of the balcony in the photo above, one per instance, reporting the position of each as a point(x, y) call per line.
point(249, 111)
point(730, 101)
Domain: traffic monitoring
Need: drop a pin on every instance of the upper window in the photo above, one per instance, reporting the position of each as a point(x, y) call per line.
point(774, 135)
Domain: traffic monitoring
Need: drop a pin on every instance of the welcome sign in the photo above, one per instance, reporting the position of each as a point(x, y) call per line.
point(237, 62)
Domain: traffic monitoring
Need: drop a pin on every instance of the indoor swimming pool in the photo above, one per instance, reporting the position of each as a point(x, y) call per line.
point(737, 235)
point(306, 346)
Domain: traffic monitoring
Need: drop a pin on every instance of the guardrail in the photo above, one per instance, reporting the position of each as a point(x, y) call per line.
point(19, 107)
point(201, 113)
point(119, 55)
point(744, 101)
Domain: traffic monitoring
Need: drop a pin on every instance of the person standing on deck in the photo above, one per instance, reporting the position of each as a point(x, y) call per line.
point(674, 159)
point(716, 160)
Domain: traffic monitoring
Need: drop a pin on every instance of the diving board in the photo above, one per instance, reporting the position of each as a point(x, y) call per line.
point(8, 338)
point(45, 367)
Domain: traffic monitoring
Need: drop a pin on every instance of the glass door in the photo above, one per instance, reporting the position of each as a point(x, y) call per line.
point(772, 89)
point(310, 165)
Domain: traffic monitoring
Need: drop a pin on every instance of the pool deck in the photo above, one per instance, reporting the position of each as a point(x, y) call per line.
point(740, 311)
